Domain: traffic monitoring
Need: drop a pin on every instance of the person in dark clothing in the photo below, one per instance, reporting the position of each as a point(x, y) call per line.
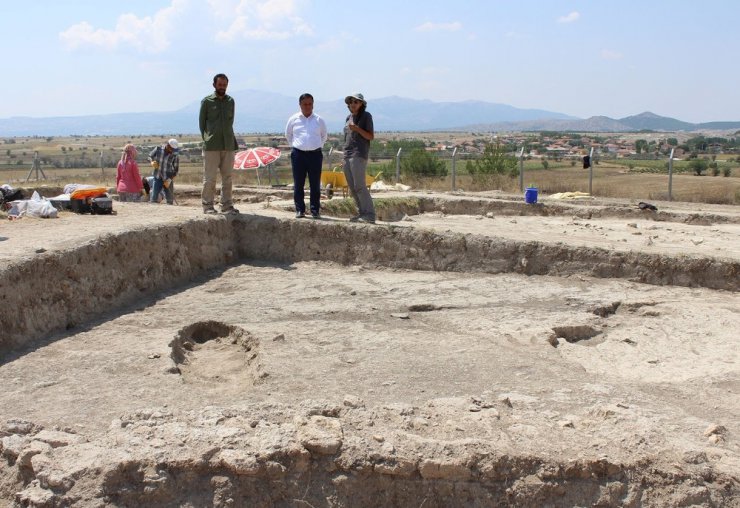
point(358, 132)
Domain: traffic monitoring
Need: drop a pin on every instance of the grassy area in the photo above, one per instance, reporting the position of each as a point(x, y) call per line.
point(613, 181)
point(679, 166)
point(610, 179)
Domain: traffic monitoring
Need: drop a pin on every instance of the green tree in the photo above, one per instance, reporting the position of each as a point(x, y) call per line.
point(420, 163)
point(469, 167)
point(641, 145)
point(698, 166)
point(698, 144)
point(495, 161)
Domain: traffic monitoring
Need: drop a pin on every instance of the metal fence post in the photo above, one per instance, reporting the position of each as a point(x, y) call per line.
point(398, 166)
point(454, 155)
point(590, 171)
point(670, 176)
point(521, 170)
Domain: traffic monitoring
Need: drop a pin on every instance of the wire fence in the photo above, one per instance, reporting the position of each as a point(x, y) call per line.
point(644, 176)
point(593, 172)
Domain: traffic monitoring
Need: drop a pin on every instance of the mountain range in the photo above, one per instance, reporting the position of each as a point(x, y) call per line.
point(267, 112)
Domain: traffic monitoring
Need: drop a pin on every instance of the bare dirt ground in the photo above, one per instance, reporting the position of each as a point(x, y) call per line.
point(325, 381)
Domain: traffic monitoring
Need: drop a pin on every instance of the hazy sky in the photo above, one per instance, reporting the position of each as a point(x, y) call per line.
point(76, 57)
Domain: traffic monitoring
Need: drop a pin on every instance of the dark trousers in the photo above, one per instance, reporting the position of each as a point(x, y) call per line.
point(158, 188)
point(306, 164)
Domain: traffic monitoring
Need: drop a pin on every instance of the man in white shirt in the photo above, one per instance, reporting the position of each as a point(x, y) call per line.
point(306, 134)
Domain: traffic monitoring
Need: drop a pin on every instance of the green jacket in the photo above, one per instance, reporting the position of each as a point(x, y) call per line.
point(217, 123)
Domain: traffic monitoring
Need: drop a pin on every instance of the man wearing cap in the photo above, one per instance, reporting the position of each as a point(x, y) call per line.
point(217, 130)
point(166, 164)
point(306, 134)
point(358, 132)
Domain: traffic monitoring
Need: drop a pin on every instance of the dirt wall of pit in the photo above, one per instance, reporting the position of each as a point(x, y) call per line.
point(414, 249)
point(393, 209)
point(56, 291)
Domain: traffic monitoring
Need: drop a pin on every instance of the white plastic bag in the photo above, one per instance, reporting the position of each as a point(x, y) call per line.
point(34, 207)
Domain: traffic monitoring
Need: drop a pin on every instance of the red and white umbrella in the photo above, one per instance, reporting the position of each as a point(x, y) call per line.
point(255, 157)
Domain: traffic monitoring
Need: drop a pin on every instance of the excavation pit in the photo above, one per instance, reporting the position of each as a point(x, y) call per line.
point(215, 352)
point(392, 367)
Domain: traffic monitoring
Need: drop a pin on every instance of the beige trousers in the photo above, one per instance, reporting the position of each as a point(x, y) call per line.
point(215, 162)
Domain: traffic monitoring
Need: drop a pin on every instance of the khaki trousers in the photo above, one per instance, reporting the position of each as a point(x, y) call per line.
point(215, 162)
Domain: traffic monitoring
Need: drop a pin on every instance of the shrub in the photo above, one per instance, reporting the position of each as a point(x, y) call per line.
point(494, 161)
point(698, 166)
point(421, 163)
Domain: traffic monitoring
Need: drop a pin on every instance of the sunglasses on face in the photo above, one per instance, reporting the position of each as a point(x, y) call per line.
point(355, 101)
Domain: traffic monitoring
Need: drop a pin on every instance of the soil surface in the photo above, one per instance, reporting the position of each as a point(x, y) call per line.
point(328, 381)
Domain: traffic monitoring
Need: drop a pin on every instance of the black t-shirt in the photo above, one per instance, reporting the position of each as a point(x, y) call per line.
point(354, 144)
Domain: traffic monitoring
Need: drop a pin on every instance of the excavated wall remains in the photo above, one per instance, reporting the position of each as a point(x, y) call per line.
point(327, 455)
point(56, 291)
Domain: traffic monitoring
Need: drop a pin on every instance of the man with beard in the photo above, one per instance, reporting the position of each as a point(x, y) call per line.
point(219, 143)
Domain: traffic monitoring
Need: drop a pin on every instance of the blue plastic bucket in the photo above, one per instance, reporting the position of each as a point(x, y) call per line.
point(530, 195)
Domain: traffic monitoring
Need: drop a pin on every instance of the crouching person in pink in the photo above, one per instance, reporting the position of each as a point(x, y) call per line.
point(128, 179)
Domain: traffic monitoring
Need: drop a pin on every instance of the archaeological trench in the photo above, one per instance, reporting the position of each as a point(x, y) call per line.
point(258, 360)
